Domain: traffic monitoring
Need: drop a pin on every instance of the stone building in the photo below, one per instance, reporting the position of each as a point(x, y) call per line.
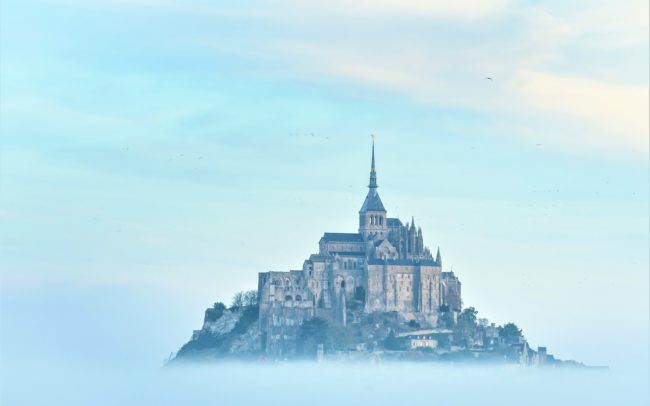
point(384, 267)
point(450, 289)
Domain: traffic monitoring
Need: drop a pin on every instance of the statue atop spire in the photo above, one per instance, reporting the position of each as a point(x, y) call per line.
point(373, 173)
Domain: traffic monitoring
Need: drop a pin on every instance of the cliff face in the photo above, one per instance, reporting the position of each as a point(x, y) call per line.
point(235, 334)
point(225, 333)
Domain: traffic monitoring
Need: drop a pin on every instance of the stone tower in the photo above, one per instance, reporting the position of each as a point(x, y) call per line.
point(372, 216)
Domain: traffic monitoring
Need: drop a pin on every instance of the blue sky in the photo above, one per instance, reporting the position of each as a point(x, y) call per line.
point(160, 153)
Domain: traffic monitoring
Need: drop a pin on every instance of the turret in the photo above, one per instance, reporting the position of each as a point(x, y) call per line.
point(412, 238)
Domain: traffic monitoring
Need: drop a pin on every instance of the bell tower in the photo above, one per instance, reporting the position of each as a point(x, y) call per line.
point(372, 216)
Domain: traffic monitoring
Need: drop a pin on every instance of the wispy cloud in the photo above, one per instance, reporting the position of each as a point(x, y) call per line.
point(581, 66)
point(536, 73)
point(618, 114)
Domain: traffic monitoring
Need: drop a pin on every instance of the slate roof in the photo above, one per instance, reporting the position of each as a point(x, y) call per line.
point(372, 202)
point(349, 253)
point(394, 222)
point(318, 258)
point(342, 237)
point(404, 261)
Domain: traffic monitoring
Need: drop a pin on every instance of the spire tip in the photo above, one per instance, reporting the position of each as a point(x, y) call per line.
point(373, 173)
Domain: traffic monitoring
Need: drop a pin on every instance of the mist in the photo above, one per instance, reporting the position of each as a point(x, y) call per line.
point(317, 384)
point(63, 345)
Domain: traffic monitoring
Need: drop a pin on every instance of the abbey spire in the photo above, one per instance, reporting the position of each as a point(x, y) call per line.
point(372, 202)
point(372, 216)
point(373, 172)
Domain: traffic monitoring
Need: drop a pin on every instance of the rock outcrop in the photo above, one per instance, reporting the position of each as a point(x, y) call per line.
point(226, 333)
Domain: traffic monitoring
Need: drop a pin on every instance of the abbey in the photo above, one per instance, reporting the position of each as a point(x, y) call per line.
point(384, 267)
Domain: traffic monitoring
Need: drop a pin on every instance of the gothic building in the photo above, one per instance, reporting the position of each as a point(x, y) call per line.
point(384, 267)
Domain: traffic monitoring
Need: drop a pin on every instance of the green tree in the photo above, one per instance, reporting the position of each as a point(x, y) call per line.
point(467, 326)
point(467, 317)
point(250, 298)
point(237, 300)
point(510, 331)
point(215, 312)
point(318, 331)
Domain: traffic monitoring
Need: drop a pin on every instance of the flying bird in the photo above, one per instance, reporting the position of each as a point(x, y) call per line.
point(489, 78)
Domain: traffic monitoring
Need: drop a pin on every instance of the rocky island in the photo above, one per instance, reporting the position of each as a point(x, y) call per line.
point(376, 294)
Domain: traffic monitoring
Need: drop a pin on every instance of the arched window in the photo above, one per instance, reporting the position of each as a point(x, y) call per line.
point(298, 298)
point(288, 298)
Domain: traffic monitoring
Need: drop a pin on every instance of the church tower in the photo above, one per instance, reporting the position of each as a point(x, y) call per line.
point(372, 216)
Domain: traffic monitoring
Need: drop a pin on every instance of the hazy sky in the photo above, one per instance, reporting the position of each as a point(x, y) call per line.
point(157, 154)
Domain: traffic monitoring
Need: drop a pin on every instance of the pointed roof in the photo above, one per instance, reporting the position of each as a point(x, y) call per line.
point(373, 173)
point(372, 202)
point(438, 258)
